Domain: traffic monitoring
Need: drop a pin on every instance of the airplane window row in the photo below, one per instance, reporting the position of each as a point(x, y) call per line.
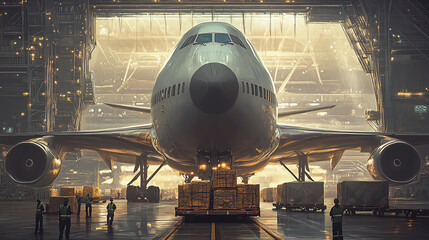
point(204, 38)
point(168, 92)
point(256, 90)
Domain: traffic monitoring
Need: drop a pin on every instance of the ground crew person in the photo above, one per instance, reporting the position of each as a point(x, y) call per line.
point(337, 220)
point(64, 214)
point(111, 207)
point(88, 206)
point(79, 200)
point(39, 217)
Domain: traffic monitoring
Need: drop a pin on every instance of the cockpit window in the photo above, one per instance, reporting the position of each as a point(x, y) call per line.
point(237, 40)
point(222, 38)
point(188, 41)
point(204, 38)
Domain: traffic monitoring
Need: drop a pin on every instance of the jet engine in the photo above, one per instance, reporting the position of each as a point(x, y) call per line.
point(395, 161)
point(32, 163)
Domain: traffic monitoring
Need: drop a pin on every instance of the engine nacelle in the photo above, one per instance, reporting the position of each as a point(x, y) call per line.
point(395, 161)
point(32, 163)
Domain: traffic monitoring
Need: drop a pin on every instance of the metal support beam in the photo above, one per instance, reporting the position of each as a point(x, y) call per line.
point(289, 170)
point(156, 171)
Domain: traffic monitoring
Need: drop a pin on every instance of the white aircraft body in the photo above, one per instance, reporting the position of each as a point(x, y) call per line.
point(213, 106)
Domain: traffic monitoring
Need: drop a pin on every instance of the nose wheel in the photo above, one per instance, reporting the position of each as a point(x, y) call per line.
point(207, 162)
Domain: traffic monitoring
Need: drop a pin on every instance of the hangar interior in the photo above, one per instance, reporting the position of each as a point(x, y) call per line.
point(61, 60)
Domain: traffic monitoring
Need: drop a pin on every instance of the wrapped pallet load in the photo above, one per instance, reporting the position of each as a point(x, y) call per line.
point(301, 193)
point(225, 198)
point(224, 179)
point(185, 196)
point(200, 194)
point(247, 195)
point(363, 193)
point(269, 194)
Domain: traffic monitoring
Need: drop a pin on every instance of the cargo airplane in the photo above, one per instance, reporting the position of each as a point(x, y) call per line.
point(213, 105)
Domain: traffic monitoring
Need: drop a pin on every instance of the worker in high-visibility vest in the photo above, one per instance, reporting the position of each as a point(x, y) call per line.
point(39, 217)
point(111, 207)
point(88, 206)
point(337, 220)
point(64, 214)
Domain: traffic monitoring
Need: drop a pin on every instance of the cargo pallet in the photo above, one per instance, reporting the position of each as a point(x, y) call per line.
point(302, 207)
point(218, 212)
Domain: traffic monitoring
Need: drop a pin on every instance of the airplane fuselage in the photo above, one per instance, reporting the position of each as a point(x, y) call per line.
point(214, 97)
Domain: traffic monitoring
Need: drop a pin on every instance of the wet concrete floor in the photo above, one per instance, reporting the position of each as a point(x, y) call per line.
point(147, 220)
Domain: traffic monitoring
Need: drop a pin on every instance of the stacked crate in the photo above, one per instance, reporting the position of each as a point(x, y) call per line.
point(247, 196)
point(93, 191)
point(224, 189)
point(67, 191)
point(195, 195)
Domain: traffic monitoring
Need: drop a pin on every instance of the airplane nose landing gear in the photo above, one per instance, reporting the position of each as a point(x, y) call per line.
point(208, 162)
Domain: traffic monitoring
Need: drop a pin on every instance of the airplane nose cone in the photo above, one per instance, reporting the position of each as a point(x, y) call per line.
point(214, 88)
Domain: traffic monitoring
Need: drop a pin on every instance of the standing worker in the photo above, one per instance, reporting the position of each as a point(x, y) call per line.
point(79, 201)
point(111, 207)
point(88, 205)
point(64, 214)
point(337, 220)
point(39, 216)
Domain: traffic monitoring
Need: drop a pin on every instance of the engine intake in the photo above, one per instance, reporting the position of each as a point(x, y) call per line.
point(32, 163)
point(396, 161)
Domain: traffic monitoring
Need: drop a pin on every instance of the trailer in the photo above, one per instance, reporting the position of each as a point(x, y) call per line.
point(300, 196)
point(221, 196)
point(357, 196)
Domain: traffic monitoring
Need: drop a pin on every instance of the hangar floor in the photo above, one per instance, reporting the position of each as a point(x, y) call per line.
point(146, 221)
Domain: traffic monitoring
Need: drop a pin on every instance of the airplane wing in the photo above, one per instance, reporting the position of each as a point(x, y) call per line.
point(119, 144)
point(329, 145)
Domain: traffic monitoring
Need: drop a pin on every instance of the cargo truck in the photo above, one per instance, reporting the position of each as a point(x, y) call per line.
point(303, 196)
point(221, 196)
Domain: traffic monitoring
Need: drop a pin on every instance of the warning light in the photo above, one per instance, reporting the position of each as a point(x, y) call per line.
point(223, 165)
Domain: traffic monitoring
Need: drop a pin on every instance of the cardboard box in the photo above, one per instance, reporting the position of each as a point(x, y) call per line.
point(363, 193)
point(247, 196)
point(224, 179)
point(225, 198)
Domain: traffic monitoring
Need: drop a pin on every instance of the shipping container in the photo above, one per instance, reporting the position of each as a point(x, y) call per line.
point(301, 195)
point(363, 195)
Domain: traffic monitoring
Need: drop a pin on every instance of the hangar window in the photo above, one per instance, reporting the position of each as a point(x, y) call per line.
point(183, 87)
point(188, 41)
point(237, 40)
point(247, 87)
point(173, 90)
point(168, 92)
point(222, 38)
point(260, 91)
point(204, 38)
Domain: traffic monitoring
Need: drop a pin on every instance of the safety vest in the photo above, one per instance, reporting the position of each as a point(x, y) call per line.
point(110, 209)
point(337, 214)
point(88, 200)
point(64, 212)
point(39, 209)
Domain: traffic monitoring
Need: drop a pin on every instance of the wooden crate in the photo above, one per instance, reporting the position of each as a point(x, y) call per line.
point(93, 191)
point(200, 194)
point(184, 198)
point(51, 193)
point(247, 195)
point(68, 191)
point(224, 179)
point(225, 198)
